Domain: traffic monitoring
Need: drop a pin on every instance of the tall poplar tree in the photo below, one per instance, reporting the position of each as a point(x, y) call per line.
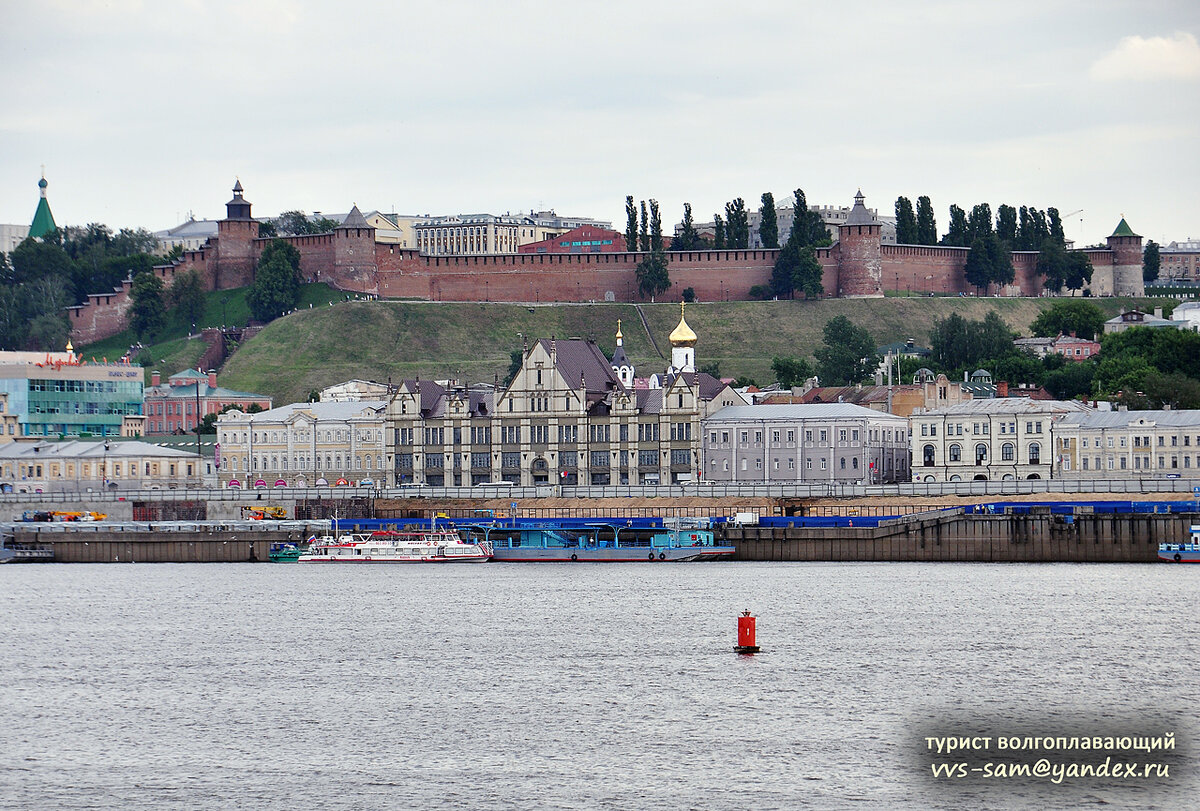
point(926, 223)
point(959, 233)
point(688, 239)
point(906, 222)
point(768, 227)
point(737, 224)
point(719, 241)
point(1151, 261)
point(644, 234)
point(631, 224)
point(1006, 225)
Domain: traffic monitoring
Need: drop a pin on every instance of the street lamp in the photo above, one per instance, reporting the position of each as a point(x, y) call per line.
point(104, 470)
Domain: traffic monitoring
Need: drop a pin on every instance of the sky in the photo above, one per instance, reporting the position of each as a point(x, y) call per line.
point(142, 112)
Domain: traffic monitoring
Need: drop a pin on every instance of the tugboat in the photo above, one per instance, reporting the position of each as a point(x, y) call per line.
point(1182, 552)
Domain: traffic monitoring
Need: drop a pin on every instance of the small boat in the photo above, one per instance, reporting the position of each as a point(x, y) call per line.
point(392, 546)
point(286, 552)
point(1182, 552)
point(13, 552)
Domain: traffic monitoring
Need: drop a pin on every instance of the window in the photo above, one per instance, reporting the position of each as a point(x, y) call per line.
point(981, 452)
point(955, 453)
point(1007, 452)
point(1035, 453)
point(927, 455)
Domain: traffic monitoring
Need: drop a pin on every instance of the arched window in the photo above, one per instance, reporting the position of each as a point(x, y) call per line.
point(1007, 452)
point(956, 453)
point(980, 453)
point(1035, 454)
point(927, 454)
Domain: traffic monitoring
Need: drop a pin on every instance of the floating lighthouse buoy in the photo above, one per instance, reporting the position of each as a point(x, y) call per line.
point(746, 642)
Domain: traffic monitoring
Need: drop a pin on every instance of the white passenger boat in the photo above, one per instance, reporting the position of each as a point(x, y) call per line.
point(391, 546)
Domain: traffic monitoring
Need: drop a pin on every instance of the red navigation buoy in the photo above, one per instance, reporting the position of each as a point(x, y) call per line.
point(746, 642)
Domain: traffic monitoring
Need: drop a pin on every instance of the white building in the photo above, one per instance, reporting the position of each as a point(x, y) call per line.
point(987, 440)
point(1128, 444)
point(829, 442)
point(302, 445)
point(76, 466)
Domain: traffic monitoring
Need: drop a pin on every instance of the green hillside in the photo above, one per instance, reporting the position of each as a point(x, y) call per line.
point(379, 340)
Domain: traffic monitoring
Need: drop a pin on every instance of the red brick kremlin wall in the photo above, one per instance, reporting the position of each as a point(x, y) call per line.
point(349, 259)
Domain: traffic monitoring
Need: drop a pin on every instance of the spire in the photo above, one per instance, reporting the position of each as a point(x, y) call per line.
point(620, 337)
point(43, 220)
point(239, 207)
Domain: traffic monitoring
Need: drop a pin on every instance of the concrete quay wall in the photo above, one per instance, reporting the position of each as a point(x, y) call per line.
point(157, 547)
point(1100, 538)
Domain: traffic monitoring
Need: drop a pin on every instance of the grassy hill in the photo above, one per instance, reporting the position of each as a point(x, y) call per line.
point(379, 340)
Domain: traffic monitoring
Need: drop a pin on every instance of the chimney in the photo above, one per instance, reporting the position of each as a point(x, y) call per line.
point(155, 379)
point(212, 378)
point(1002, 388)
point(1158, 312)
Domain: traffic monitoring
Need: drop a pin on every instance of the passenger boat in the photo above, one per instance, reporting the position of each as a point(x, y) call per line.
point(1182, 552)
point(677, 541)
point(392, 546)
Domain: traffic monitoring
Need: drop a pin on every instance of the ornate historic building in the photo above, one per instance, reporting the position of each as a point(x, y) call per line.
point(569, 416)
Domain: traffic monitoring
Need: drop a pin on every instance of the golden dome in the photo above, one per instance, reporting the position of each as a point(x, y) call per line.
point(682, 335)
point(619, 335)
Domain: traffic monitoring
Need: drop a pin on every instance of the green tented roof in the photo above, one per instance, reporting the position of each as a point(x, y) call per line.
point(1123, 230)
point(43, 220)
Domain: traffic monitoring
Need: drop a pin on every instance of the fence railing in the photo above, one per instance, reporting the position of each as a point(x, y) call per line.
point(692, 490)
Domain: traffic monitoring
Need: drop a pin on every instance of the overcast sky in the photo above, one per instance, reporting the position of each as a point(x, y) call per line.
point(144, 111)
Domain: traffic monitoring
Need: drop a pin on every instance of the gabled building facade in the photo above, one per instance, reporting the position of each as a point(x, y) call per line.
point(569, 416)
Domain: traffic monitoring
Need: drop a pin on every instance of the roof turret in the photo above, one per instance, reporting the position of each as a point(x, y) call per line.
point(43, 220)
point(1123, 230)
point(859, 214)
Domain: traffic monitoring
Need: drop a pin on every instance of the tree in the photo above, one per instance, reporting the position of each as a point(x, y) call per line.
point(1006, 225)
point(712, 369)
point(1056, 226)
point(652, 275)
point(791, 371)
point(688, 239)
point(644, 231)
point(1071, 381)
point(1151, 261)
point(926, 224)
point(737, 224)
point(959, 234)
point(1052, 264)
point(768, 228)
point(1080, 318)
point(718, 233)
point(989, 262)
point(847, 355)
point(297, 223)
point(187, 296)
point(656, 232)
point(33, 259)
point(807, 226)
point(631, 224)
point(689, 294)
point(276, 287)
point(948, 343)
point(147, 313)
point(1079, 270)
point(208, 424)
point(906, 222)
point(978, 270)
point(979, 224)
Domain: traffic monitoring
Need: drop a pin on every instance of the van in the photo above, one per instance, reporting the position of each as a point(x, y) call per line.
point(495, 484)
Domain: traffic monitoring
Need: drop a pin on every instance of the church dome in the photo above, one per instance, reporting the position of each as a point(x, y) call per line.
point(682, 335)
point(42, 183)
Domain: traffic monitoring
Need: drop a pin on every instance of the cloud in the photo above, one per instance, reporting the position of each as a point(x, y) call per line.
point(1149, 58)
